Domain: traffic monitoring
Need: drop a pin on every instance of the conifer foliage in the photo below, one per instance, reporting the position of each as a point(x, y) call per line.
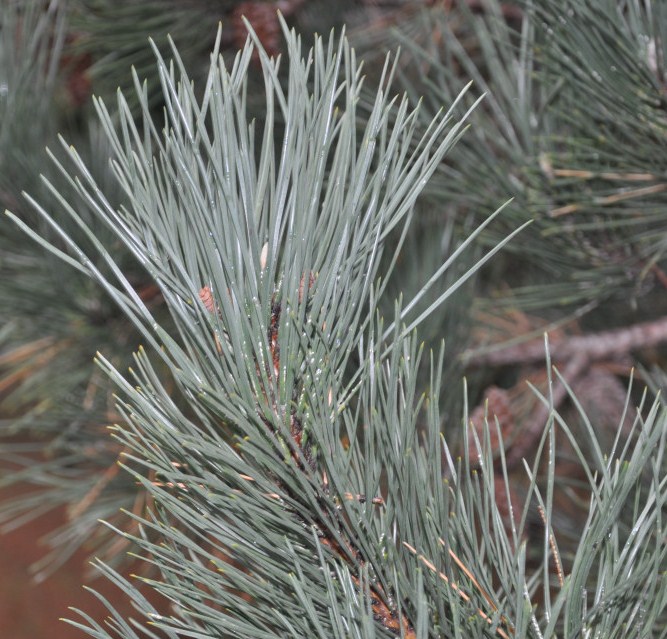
point(267, 257)
point(295, 476)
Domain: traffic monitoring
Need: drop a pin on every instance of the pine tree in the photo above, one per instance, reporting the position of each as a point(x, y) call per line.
point(291, 457)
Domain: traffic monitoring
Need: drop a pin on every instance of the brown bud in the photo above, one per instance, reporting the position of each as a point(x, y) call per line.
point(206, 296)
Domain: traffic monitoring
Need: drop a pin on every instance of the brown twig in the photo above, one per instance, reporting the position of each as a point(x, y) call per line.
point(77, 509)
point(39, 353)
point(554, 548)
point(595, 347)
point(456, 588)
point(590, 175)
point(608, 199)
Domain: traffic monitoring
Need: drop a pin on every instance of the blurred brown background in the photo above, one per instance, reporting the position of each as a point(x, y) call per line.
point(30, 610)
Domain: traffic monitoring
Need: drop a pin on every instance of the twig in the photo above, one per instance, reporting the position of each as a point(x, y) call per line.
point(590, 175)
point(40, 357)
point(609, 199)
point(595, 347)
point(74, 511)
point(468, 574)
point(554, 548)
point(457, 589)
point(385, 611)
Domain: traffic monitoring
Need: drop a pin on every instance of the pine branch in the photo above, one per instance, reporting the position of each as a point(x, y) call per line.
point(298, 483)
point(264, 330)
